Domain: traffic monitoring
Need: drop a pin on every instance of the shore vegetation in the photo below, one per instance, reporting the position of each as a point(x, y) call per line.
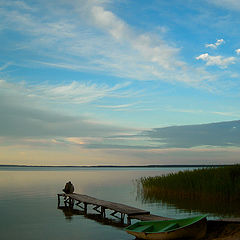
point(212, 189)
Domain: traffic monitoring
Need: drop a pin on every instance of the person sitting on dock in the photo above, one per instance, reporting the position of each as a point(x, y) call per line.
point(69, 188)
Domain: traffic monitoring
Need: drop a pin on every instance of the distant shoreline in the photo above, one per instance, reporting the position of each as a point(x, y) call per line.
point(122, 166)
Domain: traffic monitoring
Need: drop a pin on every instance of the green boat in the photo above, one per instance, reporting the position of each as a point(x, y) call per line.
point(188, 228)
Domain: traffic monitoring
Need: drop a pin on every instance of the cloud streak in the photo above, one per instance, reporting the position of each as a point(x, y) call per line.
point(228, 4)
point(22, 121)
point(222, 134)
point(4, 66)
point(73, 92)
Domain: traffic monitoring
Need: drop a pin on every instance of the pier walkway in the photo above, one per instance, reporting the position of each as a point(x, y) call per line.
point(101, 206)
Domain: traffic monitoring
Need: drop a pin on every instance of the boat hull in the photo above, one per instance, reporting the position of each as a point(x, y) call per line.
point(196, 230)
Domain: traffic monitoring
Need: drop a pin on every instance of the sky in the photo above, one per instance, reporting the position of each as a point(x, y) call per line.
point(87, 82)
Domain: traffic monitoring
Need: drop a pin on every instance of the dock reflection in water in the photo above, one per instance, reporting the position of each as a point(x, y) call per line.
point(70, 212)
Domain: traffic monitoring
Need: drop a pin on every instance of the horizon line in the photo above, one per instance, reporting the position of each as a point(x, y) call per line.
point(119, 166)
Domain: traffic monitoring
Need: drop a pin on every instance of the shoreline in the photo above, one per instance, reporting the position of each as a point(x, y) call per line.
point(121, 166)
point(222, 230)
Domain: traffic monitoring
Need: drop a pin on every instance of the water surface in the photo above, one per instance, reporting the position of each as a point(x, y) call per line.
point(28, 201)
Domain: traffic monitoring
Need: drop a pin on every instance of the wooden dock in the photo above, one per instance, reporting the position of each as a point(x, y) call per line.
point(101, 206)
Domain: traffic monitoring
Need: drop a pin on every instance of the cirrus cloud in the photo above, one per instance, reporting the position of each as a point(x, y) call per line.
point(73, 92)
point(94, 38)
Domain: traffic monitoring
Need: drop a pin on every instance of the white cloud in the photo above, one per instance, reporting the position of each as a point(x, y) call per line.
point(237, 51)
point(150, 49)
point(228, 4)
point(216, 60)
point(108, 21)
point(216, 44)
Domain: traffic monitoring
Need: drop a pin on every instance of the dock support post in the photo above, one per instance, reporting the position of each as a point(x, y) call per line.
point(71, 202)
point(65, 200)
point(122, 217)
point(58, 200)
point(103, 213)
point(85, 208)
point(129, 220)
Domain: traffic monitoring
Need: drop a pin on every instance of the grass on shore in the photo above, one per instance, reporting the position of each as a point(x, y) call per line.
point(205, 183)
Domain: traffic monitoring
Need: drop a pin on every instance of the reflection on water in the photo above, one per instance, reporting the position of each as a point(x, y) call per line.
point(69, 212)
point(188, 202)
point(28, 202)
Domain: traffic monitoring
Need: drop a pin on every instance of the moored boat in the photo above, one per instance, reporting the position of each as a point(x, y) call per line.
point(194, 227)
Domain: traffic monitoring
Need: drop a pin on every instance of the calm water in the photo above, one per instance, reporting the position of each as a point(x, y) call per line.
point(28, 201)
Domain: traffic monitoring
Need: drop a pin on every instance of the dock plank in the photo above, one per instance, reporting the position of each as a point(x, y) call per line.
point(107, 204)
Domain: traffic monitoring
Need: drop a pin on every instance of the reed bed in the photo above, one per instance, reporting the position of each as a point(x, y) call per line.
point(213, 183)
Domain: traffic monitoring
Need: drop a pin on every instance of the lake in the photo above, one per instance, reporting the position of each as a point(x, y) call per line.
point(28, 201)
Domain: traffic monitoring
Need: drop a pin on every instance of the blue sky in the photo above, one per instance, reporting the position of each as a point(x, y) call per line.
point(87, 82)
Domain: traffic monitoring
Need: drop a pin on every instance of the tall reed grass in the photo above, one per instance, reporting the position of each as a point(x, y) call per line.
point(205, 183)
